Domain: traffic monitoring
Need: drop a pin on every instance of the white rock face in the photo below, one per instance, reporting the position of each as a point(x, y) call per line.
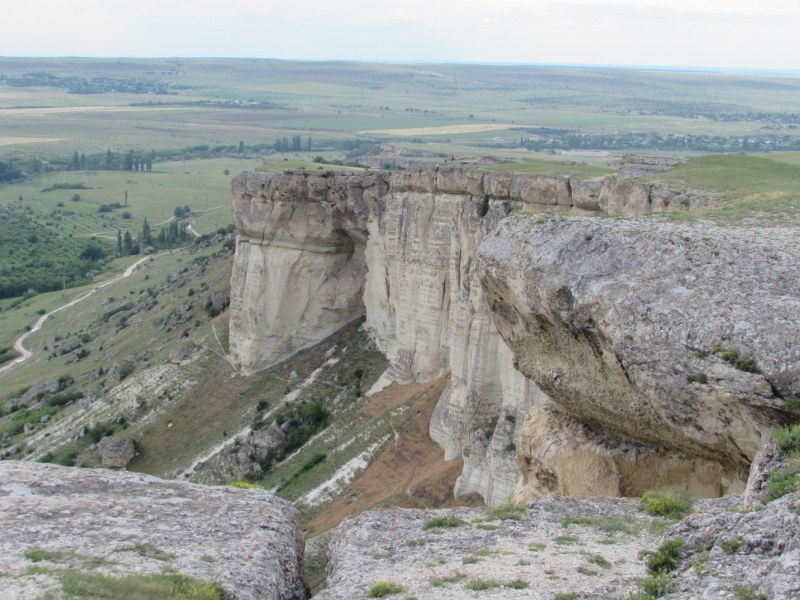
point(317, 250)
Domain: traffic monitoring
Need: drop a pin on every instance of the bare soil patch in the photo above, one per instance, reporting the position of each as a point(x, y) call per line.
point(411, 472)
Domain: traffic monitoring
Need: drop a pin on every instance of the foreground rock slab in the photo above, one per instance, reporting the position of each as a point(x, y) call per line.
point(598, 556)
point(248, 541)
point(742, 550)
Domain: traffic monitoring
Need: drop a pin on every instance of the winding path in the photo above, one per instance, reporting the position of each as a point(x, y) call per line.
point(38, 324)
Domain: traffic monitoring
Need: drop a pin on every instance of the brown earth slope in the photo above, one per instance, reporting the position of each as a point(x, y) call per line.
point(411, 472)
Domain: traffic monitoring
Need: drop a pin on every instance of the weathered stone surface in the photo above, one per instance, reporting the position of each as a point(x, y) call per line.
point(249, 541)
point(767, 461)
point(758, 551)
point(41, 389)
point(184, 351)
point(561, 454)
point(641, 165)
point(391, 545)
point(617, 323)
point(116, 452)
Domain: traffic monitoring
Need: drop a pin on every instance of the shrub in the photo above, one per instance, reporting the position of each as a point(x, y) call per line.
point(672, 505)
point(784, 481)
point(747, 592)
point(743, 364)
point(245, 485)
point(731, 546)
point(448, 521)
point(506, 512)
point(384, 588)
point(665, 559)
point(788, 438)
point(656, 586)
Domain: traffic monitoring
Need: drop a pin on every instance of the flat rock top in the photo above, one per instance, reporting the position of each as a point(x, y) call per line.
point(248, 541)
point(598, 555)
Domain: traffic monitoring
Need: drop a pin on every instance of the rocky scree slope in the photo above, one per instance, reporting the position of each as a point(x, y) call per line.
point(317, 249)
point(118, 524)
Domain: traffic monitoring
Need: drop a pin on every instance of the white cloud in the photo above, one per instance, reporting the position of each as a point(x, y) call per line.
point(729, 33)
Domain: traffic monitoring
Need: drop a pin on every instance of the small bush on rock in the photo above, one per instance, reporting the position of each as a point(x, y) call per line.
point(665, 559)
point(672, 505)
point(384, 588)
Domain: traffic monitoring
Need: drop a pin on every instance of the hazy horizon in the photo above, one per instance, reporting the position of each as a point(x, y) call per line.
point(673, 35)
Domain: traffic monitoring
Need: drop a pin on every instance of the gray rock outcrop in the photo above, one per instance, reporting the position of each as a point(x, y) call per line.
point(40, 390)
point(115, 452)
point(248, 541)
point(682, 337)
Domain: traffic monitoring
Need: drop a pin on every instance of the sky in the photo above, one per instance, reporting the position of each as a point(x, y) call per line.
point(739, 34)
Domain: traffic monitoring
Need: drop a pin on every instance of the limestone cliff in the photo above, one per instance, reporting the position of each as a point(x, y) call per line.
point(317, 249)
point(668, 349)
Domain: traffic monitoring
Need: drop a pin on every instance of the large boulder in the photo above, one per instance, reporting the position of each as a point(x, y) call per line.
point(248, 541)
point(115, 452)
point(40, 390)
point(679, 336)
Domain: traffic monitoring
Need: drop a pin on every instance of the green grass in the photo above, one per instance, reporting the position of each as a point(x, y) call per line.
point(553, 168)
point(609, 525)
point(668, 504)
point(76, 584)
point(756, 188)
point(479, 585)
point(506, 512)
point(384, 588)
point(448, 521)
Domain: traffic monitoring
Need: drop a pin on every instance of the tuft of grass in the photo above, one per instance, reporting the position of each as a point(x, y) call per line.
point(448, 521)
point(536, 547)
point(669, 504)
point(747, 592)
point(470, 560)
point(565, 596)
point(586, 571)
point(565, 539)
point(440, 581)
point(38, 555)
point(506, 512)
point(382, 589)
point(478, 585)
point(517, 584)
point(415, 543)
point(731, 546)
point(600, 561)
point(146, 550)
point(488, 527)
